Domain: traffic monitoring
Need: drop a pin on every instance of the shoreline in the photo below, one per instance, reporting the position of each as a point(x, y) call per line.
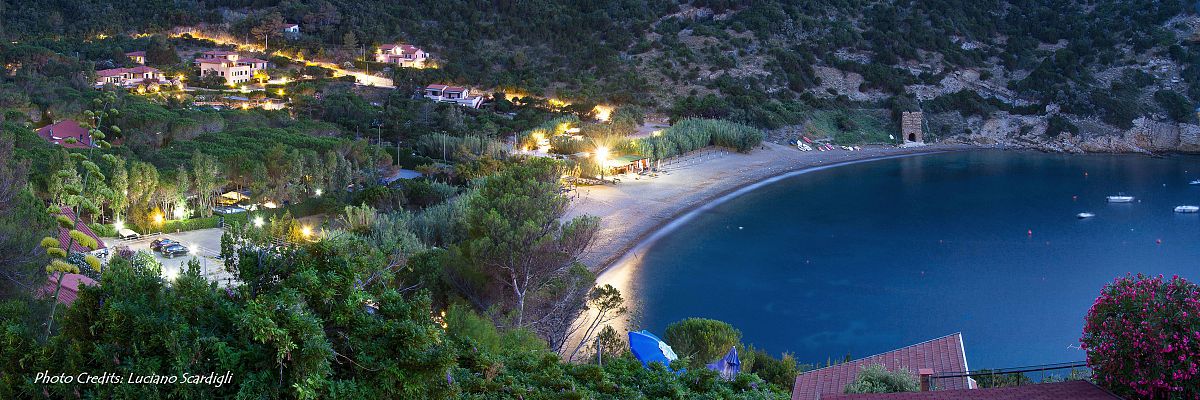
point(623, 236)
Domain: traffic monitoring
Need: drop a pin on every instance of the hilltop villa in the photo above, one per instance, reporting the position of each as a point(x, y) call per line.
point(452, 94)
point(404, 55)
point(137, 56)
point(233, 67)
point(66, 133)
point(128, 77)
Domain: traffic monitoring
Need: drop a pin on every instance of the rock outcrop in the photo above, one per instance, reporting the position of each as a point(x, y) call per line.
point(1001, 129)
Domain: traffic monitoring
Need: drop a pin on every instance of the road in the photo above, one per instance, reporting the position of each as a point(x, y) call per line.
point(362, 77)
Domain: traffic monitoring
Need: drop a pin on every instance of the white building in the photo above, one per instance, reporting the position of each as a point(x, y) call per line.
point(452, 94)
point(291, 30)
point(404, 55)
point(233, 67)
point(129, 77)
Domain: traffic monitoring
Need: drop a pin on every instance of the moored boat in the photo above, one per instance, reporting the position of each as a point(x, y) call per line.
point(1195, 182)
point(1085, 215)
point(1120, 199)
point(1187, 209)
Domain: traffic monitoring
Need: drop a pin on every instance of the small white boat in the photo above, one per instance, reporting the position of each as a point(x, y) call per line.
point(1120, 199)
point(1085, 215)
point(1187, 209)
point(1195, 182)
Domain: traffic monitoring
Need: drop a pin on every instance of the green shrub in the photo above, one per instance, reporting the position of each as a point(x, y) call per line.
point(701, 340)
point(103, 230)
point(464, 324)
point(692, 134)
point(877, 379)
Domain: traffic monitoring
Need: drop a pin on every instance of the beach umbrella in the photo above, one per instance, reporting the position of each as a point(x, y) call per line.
point(727, 366)
point(648, 348)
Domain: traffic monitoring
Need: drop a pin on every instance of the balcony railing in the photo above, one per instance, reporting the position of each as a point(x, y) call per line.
point(1005, 377)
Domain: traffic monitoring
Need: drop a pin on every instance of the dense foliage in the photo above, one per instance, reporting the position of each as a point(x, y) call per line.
point(701, 341)
point(877, 379)
point(753, 61)
point(693, 134)
point(1140, 337)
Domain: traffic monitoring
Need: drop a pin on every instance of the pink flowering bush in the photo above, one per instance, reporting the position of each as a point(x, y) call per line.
point(1142, 338)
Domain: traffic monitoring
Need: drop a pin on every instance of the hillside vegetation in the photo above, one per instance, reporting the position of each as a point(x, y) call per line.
point(761, 62)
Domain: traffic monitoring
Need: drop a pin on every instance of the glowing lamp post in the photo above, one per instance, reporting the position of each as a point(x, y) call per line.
point(258, 222)
point(158, 220)
point(602, 160)
point(317, 192)
point(119, 225)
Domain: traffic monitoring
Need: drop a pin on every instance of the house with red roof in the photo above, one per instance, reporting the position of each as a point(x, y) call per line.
point(137, 56)
point(452, 94)
point(64, 234)
point(938, 356)
point(404, 55)
point(229, 65)
point(70, 287)
point(66, 133)
point(128, 77)
point(1070, 390)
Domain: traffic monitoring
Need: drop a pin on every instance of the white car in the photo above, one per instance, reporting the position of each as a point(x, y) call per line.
point(127, 234)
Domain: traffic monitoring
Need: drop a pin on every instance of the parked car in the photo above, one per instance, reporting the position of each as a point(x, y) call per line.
point(228, 210)
point(174, 249)
point(158, 244)
point(127, 234)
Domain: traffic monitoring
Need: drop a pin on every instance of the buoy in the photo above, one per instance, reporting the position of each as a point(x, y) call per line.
point(1158, 241)
point(1031, 232)
point(740, 228)
point(1075, 198)
point(1084, 173)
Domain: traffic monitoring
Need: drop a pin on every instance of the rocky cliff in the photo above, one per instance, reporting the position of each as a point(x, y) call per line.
point(1023, 131)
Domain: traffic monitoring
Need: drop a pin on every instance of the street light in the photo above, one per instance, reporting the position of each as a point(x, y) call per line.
point(119, 225)
point(318, 192)
point(602, 159)
point(258, 222)
point(158, 220)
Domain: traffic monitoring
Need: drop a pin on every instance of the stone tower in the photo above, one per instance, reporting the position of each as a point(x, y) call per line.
point(910, 127)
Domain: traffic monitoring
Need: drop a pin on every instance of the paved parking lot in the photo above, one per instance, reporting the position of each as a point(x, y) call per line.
point(205, 242)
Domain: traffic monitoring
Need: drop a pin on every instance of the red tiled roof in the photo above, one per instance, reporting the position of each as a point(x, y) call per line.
point(220, 53)
point(142, 69)
point(136, 54)
point(111, 72)
point(121, 71)
point(404, 48)
point(250, 60)
point(446, 88)
point(289, 26)
point(944, 354)
point(64, 234)
point(213, 61)
point(1071, 390)
point(70, 287)
point(67, 128)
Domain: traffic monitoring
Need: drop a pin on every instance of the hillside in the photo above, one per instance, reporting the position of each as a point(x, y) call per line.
point(1100, 64)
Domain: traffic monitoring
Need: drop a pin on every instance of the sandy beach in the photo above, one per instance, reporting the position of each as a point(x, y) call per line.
point(633, 209)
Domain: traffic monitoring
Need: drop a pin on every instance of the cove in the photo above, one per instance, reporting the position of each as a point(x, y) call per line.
point(868, 257)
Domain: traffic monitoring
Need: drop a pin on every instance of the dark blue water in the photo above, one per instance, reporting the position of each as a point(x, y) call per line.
point(865, 258)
